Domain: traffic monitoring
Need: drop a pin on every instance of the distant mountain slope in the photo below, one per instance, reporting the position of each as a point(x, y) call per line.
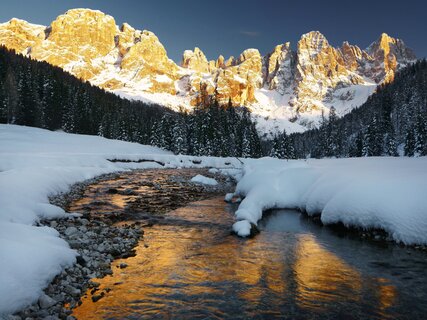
point(392, 121)
point(288, 88)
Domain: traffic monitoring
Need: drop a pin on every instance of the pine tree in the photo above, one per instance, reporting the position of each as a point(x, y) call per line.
point(390, 147)
point(410, 143)
point(179, 134)
point(356, 149)
point(420, 134)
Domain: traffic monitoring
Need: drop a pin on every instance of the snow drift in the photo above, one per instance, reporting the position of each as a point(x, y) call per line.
point(386, 193)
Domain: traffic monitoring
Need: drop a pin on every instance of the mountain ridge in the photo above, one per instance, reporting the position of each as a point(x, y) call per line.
point(288, 88)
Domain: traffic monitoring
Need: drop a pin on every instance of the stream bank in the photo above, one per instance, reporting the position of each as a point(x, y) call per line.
point(113, 211)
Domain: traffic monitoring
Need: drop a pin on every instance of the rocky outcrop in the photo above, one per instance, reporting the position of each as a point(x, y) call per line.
point(195, 60)
point(238, 82)
point(279, 68)
point(319, 69)
point(386, 54)
point(21, 36)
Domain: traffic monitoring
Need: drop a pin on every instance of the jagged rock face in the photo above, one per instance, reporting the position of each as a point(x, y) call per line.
point(75, 39)
point(220, 62)
point(240, 81)
point(20, 35)
point(308, 79)
point(386, 53)
point(319, 69)
point(148, 59)
point(279, 68)
point(352, 56)
point(231, 80)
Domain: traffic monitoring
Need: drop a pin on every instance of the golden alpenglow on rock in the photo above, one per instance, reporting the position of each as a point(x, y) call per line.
point(291, 86)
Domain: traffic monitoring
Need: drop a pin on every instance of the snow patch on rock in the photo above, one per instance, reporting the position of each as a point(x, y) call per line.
point(204, 180)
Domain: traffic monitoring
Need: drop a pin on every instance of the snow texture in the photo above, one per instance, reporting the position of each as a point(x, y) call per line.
point(228, 197)
point(204, 180)
point(386, 193)
point(36, 163)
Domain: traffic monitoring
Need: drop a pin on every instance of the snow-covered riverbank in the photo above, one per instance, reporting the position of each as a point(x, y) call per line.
point(35, 164)
point(384, 193)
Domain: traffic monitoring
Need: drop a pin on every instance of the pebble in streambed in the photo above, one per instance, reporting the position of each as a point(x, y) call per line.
point(98, 244)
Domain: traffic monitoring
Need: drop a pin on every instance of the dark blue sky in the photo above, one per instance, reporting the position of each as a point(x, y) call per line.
point(229, 26)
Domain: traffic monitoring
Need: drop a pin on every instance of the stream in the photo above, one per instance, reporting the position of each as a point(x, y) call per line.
point(189, 265)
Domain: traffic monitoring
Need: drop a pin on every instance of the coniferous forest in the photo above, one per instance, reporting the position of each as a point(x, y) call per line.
point(393, 121)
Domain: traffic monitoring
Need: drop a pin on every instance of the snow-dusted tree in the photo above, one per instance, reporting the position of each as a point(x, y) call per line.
point(373, 140)
point(420, 134)
point(390, 146)
point(410, 143)
point(179, 137)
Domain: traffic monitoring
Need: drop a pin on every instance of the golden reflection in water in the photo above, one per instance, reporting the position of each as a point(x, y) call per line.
point(182, 260)
point(201, 261)
point(387, 294)
point(320, 274)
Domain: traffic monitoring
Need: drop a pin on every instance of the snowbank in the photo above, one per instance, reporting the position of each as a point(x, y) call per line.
point(204, 180)
point(36, 163)
point(387, 193)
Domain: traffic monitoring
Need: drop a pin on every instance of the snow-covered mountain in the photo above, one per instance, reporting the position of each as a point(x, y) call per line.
point(287, 88)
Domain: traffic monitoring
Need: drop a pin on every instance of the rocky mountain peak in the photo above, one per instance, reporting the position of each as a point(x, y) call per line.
point(313, 41)
point(20, 35)
point(84, 28)
point(387, 55)
point(249, 54)
point(220, 61)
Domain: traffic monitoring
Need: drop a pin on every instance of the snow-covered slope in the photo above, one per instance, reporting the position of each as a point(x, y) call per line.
point(387, 193)
point(287, 88)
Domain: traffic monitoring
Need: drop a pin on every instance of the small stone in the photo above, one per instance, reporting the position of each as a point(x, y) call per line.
point(70, 231)
point(123, 265)
point(51, 318)
point(97, 297)
point(46, 302)
point(72, 291)
point(93, 284)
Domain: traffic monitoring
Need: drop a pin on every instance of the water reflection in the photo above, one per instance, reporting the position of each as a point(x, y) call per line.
point(292, 269)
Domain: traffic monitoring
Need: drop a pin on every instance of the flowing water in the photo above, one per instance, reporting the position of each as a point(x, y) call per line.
point(188, 265)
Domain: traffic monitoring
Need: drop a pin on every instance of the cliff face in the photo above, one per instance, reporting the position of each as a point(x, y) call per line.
point(286, 83)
